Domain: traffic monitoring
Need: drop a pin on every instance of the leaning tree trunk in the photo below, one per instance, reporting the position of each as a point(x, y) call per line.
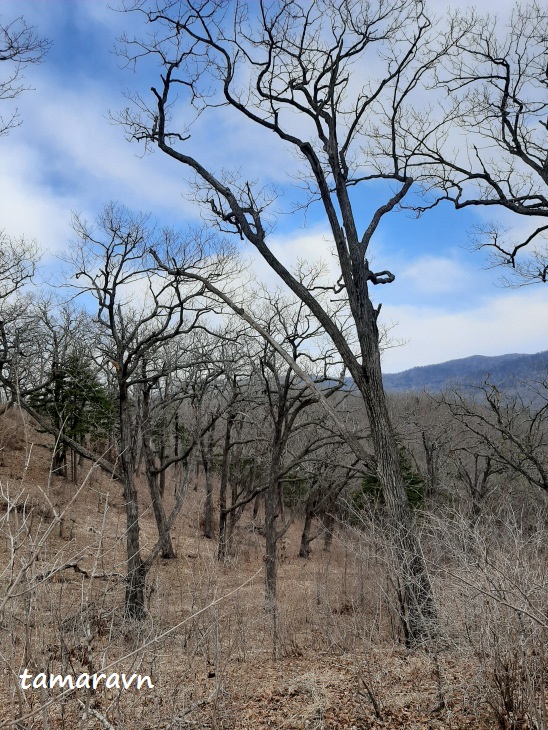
point(167, 550)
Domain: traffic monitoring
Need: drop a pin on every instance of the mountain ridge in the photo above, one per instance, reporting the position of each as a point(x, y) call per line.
point(507, 372)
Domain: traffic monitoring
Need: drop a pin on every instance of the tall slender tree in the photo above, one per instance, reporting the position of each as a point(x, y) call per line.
point(331, 81)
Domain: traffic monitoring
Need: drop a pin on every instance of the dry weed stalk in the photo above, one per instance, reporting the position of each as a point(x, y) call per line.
point(496, 570)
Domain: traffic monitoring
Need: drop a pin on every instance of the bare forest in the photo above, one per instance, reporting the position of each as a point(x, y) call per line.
point(203, 482)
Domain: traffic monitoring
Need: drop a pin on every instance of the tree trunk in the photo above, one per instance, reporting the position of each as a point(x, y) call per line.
point(431, 455)
point(419, 615)
point(304, 550)
point(208, 506)
point(257, 506)
point(60, 462)
point(310, 513)
point(271, 558)
point(271, 502)
point(242, 485)
point(328, 523)
point(136, 574)
point(223, 490)
point(74, 466)
point(162, 481)
point(271, 563)
point(167, 550)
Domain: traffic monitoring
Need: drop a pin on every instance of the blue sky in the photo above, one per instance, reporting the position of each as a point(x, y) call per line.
point(67, 157)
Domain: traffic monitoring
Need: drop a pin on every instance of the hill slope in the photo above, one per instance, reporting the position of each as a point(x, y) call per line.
point(507, 372)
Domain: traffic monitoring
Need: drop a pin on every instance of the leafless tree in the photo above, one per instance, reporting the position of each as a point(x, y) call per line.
point(511, 435)
point(335, 470)
point(17, 264)
point(497, 91)
point(20, 46)
point(425, 428)
point(293, 432)
point(331, 80)
point(238, 458)
point(138, 311)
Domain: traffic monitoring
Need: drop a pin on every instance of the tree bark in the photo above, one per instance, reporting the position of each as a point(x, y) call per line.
point(136, 573)
point(272, 535)
point(225, 470)
point(167, 550)
point(419, 613)
point(207, 454)
point(304, 549)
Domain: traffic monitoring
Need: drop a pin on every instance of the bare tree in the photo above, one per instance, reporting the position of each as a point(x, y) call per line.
point(68, 390)
point(17, 264)
point(294, 69)
point(329, 475)
point(138, 311)
point(497, 89)
point(20, 46)
point(292, 432)
point(425, 428)
point(510, 433)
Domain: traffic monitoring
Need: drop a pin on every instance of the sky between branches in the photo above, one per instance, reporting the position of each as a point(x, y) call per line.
point(67, 157)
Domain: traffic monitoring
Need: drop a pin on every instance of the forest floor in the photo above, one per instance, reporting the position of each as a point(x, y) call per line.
point(333, 660)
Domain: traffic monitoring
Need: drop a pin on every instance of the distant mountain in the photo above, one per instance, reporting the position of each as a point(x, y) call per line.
point(507, 372)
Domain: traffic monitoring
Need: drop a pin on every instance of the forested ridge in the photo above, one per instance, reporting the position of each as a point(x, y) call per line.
point(512, 373)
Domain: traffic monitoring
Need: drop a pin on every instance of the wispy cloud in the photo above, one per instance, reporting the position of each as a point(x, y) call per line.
point(68, 157)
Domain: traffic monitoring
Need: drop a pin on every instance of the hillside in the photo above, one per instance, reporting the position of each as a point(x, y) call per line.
point(508, 372)
point(207, 641)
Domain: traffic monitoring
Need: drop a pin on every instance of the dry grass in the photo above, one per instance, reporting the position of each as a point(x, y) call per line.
point(207, 642)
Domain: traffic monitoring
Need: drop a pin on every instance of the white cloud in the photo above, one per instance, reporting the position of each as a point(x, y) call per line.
point(504, 323)
point(434, 275)
point(461, 315)
point(312, 246)
point(28, 207)
point(67, 157)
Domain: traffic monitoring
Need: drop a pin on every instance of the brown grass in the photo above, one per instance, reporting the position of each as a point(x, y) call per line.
point(340, 665)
